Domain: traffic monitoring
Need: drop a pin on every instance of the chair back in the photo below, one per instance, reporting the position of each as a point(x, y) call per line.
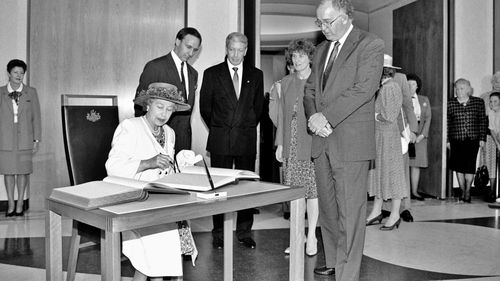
point(89, 122)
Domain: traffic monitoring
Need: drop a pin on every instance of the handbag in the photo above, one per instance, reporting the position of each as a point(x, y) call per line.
point(482, 177)
point(188, 246)
point(405, 134)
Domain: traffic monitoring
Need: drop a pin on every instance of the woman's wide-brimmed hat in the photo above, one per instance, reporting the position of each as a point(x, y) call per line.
point(388, 62)
point(163, 91)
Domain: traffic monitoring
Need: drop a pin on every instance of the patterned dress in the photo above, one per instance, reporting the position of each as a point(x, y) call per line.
point(387, 180)
point(299, 172)
point(488, 155)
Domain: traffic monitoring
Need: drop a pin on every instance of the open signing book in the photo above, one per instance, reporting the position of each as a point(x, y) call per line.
point(115, 190)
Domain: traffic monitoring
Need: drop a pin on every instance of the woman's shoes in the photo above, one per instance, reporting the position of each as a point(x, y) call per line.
point(10, 214)
point(391, 227)
point(312, 248)
point(466, 200)
point(417, 197)
point(20, 214)
point(377, 218)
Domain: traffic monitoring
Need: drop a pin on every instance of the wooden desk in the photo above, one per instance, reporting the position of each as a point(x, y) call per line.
point(164, 208)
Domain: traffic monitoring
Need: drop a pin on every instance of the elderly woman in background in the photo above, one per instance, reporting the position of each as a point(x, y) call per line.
point(489, 151)
point(292, 139)
point(20, 134)
point(422, 109)
point(387, 180)
point(467, 126)
point(143, 149)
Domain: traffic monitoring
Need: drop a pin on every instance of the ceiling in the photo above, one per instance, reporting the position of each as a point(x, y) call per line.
point(285, 20)
point(364, 6)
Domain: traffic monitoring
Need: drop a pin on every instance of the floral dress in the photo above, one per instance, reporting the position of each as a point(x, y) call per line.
point(299, 172)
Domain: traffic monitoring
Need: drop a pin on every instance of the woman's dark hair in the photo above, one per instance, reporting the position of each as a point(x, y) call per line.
point(414, 77)
point(16, 63)
point(495, 94)
point(188, 31)
point(302, 46)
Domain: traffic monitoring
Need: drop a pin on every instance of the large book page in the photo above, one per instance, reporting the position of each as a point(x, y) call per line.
point(193, 182)
point(236, 174)
point(144, 185)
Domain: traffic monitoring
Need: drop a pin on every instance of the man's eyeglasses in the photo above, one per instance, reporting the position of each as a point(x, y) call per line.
point(320, 23)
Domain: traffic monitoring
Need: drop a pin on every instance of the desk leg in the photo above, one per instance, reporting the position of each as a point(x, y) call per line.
point(297, 212)
point(228, 246)
point(53, 247)
point(111, 270)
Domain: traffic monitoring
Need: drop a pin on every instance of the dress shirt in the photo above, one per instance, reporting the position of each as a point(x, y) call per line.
point(240, 72)
point(341, 41)
point(15, 107)
point(178, 63)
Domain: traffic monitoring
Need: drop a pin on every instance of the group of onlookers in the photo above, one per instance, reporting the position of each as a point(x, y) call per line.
point(348, 124)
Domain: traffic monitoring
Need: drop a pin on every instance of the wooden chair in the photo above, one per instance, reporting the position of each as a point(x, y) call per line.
point(89, 122)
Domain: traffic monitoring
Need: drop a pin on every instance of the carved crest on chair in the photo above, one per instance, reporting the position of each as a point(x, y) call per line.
point(93, 116)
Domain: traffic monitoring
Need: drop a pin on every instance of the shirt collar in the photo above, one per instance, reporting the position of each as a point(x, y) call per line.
point(343, 38)
point(230, 65)
point(10, 89)
point(176, 58)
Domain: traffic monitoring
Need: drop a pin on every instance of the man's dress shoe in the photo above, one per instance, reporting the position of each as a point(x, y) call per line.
point(218, 243)
point(324, 270)
point(247, 242)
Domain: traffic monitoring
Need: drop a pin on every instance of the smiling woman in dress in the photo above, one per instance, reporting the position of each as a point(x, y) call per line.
point(21, 130)
point(143, 149)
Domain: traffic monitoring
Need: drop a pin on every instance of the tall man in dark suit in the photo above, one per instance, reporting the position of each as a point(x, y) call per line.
point(231, 100)
point(174, 69)
point(339, 106)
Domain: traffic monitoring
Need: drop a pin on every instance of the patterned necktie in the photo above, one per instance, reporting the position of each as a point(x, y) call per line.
point(183, 82)
point(236, 82)
point(329, 65)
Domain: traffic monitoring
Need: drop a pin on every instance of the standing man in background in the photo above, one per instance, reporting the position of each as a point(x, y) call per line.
point(339, 106)
point(231, 101)
point(174, 69)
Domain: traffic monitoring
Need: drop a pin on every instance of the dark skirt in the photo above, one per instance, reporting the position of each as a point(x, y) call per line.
point(463, 154)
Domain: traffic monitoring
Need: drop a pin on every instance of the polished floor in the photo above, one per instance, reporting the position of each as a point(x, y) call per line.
point(447, 241)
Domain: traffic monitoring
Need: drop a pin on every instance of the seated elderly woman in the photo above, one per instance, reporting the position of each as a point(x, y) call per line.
point(143, 149)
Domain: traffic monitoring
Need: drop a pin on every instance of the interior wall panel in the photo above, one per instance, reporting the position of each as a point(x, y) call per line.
point(90, 47)
point(418, 30)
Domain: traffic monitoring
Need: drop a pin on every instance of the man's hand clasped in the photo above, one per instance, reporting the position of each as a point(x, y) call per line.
point(318, 124)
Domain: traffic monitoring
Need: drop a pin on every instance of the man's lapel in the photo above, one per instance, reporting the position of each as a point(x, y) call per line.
point(227, 83)
point(345, 51)
point(171, 70)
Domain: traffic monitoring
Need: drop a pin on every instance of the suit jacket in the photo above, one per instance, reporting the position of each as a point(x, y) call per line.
point(163, 69)
point(425, 116)
point(291, 94)
point(347, 100)
point(29, 126)
point(232, 122)
point(408, 110)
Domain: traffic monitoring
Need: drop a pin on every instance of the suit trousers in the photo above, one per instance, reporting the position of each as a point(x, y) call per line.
point(342, 189)
point(244, 221)
point(405, 202)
